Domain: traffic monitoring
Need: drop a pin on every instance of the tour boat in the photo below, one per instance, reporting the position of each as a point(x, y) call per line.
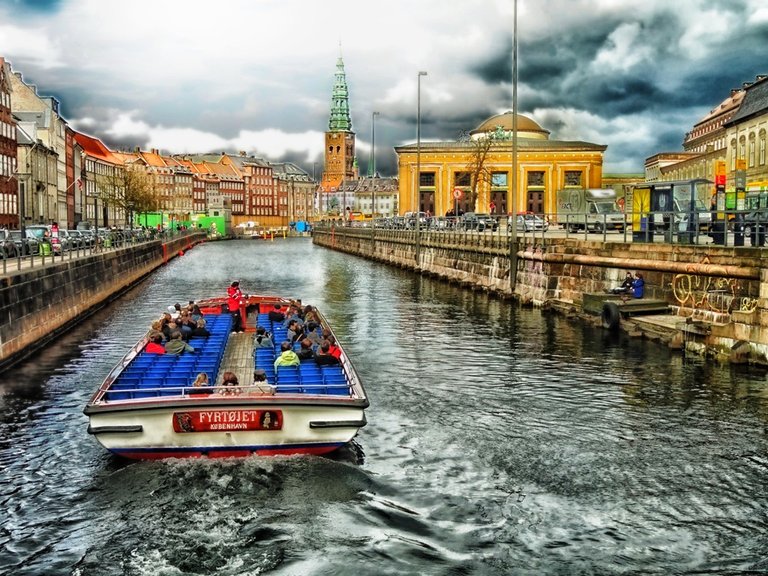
point(148, 408)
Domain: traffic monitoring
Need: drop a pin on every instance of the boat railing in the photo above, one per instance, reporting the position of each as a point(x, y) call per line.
point(124, 393)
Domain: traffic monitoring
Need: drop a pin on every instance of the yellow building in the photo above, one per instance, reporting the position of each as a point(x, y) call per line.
point(475, 174)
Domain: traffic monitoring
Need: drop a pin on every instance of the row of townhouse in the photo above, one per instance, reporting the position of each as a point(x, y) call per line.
point(50, 172)
point(732, 139)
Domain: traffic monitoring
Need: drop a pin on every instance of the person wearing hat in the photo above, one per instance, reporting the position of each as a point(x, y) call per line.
point(173, 312)
point(260, 385)
point(235, 298)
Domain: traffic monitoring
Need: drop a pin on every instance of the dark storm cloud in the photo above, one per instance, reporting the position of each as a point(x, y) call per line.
point(561, 71)
point(34, 6)
point(121, 143)
point(497, 68)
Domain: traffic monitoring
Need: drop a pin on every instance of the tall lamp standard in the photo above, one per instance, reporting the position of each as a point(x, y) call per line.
point(417, 201)
point(373, 171)
point(513, 229)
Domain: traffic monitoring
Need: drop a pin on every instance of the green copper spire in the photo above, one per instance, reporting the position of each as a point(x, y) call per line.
point(340, 119)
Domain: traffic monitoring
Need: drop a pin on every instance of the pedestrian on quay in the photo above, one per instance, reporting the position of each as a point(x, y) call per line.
point(638, 286)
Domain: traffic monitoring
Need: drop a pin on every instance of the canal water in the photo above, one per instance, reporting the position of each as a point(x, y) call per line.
point(500, 441)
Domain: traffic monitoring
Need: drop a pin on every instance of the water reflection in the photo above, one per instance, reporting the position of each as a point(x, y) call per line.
point(501, 440)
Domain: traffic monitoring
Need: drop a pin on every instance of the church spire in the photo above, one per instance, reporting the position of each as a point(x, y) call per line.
point(340, 120)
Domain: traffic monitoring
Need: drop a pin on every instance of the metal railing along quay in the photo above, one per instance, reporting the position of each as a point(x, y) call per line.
point(727, 228)
point(109, 242)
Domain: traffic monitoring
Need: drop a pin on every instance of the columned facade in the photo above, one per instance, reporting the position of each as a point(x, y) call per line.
point(451, 179)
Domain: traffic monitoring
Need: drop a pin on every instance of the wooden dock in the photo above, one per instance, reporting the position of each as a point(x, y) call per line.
point(593, 303)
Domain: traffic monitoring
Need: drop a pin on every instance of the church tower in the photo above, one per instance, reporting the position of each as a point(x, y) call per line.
point(339, 139)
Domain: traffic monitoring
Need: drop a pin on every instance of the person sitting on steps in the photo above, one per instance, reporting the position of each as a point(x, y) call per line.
point(626, 285)
point(638, 286)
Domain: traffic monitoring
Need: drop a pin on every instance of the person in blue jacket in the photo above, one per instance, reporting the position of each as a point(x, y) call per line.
point(638, 286)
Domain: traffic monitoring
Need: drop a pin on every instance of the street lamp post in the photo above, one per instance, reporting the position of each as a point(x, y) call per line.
point(513, 230)
point(373, 171)
point(417, 201)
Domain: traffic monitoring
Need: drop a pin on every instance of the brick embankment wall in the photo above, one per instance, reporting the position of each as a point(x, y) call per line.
point(719, 293)
point(40, 303)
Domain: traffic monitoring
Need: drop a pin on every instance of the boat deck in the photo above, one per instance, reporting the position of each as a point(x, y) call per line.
point(149, 375)
point(238, 358)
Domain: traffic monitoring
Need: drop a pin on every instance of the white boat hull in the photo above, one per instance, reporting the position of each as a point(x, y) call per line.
point(155, 431)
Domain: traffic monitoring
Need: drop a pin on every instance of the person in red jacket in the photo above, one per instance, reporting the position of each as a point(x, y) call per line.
point(155, 344)
point(234, 298)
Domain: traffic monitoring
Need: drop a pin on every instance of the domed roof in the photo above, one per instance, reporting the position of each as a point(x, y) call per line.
point(526, 127)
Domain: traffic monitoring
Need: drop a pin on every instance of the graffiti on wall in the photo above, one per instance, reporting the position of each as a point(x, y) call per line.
point(711, 293)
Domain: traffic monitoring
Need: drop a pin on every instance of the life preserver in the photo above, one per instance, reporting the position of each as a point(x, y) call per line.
point(611, 315)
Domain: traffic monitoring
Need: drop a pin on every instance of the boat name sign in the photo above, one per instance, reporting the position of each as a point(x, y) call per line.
point(227, 420)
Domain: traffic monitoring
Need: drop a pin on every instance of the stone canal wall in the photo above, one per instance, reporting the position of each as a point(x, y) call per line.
point(719, 294)
point(38, 304)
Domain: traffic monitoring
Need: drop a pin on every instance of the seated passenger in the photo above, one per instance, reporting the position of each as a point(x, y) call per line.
point(312, 331)
point(323, 356)
point(263, 338)
point(311, 315)
point(201, 380)
point(287, 356)
point(155, 344)
point(186, 324)
point(176, 345)
point(295, 332)
point(200, 330)
point(229, 384)
point(275, 314)
point(305, 352)
point(293, 315)
point(333, 349)
point(260, 384)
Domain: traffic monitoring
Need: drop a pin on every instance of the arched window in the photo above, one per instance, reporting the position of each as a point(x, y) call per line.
point(751, 150)
point(762, 148)
point(734, 154)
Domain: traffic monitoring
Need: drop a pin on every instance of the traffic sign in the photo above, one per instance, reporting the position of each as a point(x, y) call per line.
point(457, 193)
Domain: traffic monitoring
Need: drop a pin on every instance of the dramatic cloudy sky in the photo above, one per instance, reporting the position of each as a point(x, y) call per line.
point(257, 75)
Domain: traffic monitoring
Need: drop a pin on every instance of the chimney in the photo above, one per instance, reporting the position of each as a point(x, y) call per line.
point(242, 153)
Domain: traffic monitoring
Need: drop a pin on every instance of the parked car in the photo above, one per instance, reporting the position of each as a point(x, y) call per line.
point(41, 233)
point(89, 235)
point(477, 221)
point(77, 239)
point(29, 246)
point(490, 222)
point(410, 220)
point(7, 245)
point(60, 242)
point(754, 225)
point(531, 223)
point(442, 222)
point(65, 242)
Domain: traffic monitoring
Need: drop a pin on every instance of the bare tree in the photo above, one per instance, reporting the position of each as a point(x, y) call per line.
point(480, 175)
point(129, 188)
